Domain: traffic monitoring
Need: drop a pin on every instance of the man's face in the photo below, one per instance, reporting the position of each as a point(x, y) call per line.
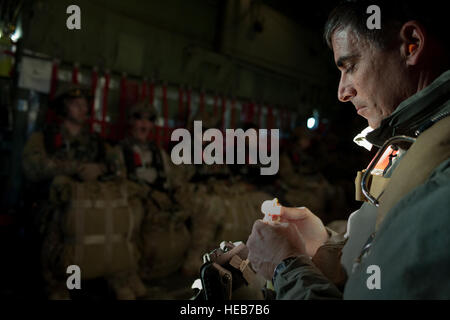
point(141, 126)
point(77, 110)
point(374, 80)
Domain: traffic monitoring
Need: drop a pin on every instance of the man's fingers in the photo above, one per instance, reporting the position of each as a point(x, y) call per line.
point(294, 213)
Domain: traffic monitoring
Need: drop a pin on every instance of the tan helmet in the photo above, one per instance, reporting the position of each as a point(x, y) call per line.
point(68, 91)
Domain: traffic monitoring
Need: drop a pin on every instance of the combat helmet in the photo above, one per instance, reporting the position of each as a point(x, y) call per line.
point(67, 91)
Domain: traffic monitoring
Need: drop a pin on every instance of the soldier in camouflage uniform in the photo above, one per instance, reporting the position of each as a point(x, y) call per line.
point(65, 149)
point(164, 234)
point(225, 206)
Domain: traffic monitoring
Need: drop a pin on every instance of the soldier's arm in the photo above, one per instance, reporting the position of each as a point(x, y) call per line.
point(302, 280)
point(38, 165)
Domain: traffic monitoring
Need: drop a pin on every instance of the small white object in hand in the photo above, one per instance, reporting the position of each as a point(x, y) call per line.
point(271, 210)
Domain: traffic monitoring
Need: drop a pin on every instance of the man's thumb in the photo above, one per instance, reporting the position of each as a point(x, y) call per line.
point(299, 213)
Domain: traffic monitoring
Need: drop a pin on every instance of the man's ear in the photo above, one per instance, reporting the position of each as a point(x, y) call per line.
point(413, 39)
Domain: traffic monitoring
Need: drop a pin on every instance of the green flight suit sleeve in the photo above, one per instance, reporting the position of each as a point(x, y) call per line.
point(302, 280)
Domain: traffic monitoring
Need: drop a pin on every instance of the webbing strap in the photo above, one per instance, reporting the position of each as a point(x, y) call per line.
point(430, 149)
point(377, 185)
point(244, 267)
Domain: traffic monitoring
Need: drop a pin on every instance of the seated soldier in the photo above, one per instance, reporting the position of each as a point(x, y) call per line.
point(66, 152)
point(164, 236)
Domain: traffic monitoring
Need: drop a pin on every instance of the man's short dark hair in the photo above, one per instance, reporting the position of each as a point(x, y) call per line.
point(394, 13)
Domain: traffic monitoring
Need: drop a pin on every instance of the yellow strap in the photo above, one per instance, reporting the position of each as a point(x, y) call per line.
point(244, 267)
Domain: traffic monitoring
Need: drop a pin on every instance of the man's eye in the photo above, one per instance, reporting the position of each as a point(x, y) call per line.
point(350, 68)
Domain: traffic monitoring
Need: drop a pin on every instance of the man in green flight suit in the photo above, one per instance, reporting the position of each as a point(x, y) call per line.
point(396, 247)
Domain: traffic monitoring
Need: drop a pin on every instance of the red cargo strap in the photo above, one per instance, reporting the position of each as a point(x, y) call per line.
point(165, 134)
point(75, 74)
point(94, 83)
point(250, 112)
point(122, 103)
point(144, 89)
point(51, 116)
point(151, 93)
point(105, 104)
point(54, 80)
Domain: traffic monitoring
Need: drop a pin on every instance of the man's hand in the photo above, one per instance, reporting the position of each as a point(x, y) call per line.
point(269, 244)
point(309, 225)
point(91, 171)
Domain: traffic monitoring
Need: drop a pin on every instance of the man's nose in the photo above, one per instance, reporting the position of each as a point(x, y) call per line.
point(345, 91)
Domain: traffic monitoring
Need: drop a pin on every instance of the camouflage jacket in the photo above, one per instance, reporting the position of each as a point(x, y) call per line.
point(54, 151)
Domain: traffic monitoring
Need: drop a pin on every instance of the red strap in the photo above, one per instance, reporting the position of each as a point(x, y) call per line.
point(94, 83)
point(250, 112)
point(144, 88)
point(152, 93)
point(224, 105)
point(51, 116)
point(122, 103)
point(105, 104)
point(165, 135)
point(75, 79)
point(54, 80)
